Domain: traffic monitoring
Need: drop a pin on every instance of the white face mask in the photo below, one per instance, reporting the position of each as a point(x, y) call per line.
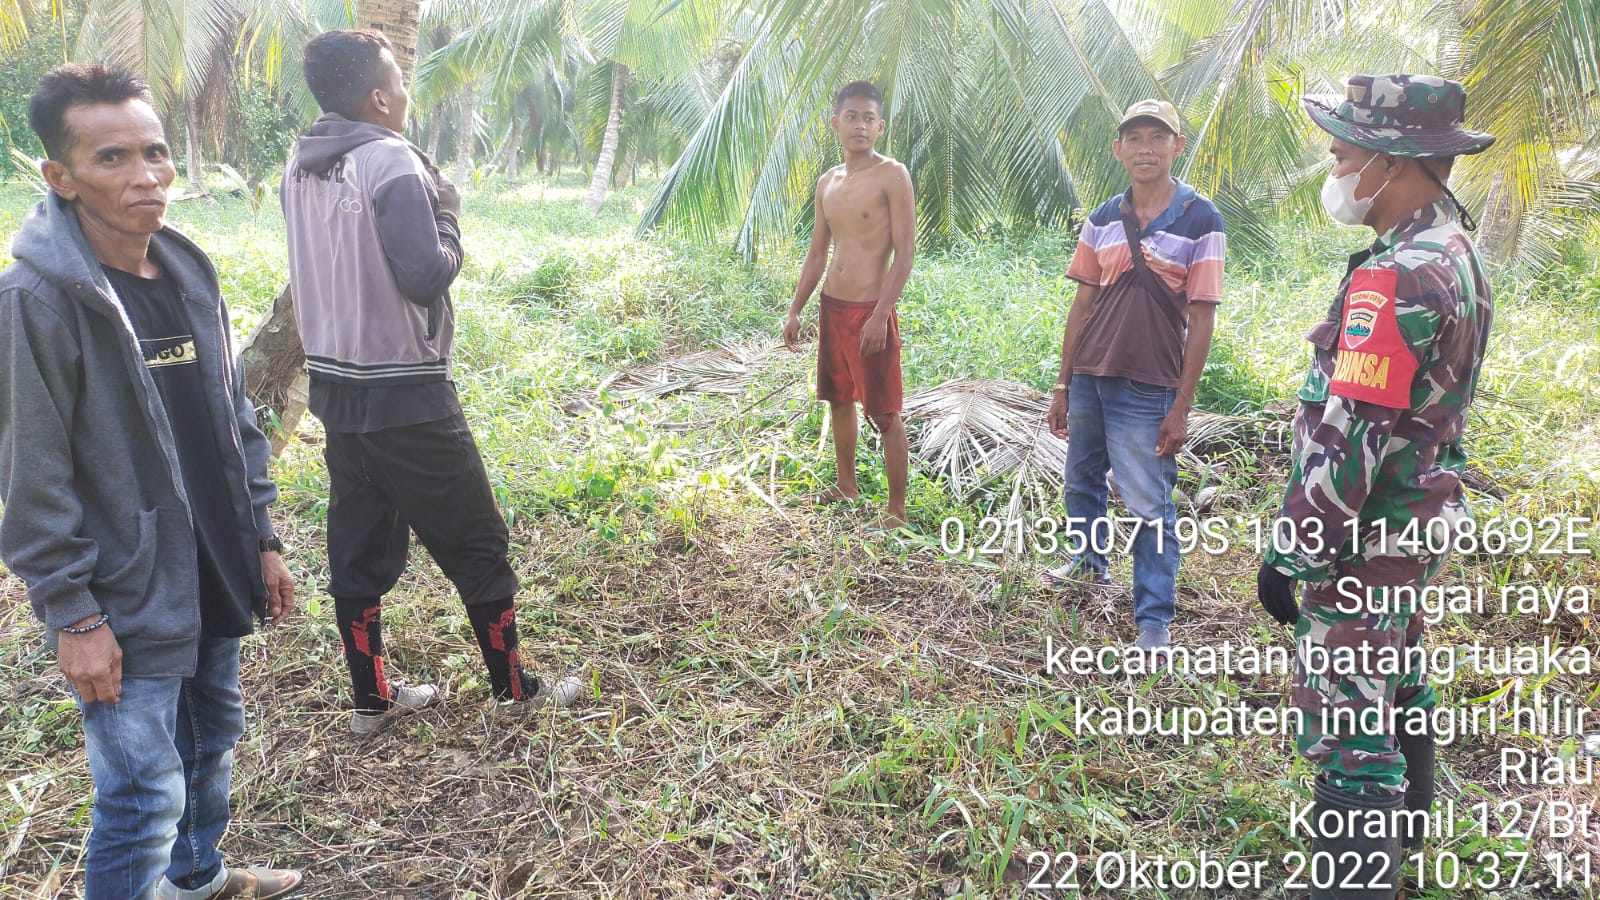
point(1339, 197)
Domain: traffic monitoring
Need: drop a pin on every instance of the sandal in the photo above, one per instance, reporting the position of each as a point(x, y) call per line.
point(258, 883)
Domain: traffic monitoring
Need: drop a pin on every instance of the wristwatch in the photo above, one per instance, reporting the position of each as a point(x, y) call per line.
point(271, 545)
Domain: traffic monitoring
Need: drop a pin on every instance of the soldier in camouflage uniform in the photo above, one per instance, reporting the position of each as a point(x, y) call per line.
point(1375, 491)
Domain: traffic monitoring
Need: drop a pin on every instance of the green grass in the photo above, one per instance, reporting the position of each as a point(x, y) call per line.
point(784, 703)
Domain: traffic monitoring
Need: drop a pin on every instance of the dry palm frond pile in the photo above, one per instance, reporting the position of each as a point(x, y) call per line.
point(977, 435)
point(974, 436)
point(722, 370)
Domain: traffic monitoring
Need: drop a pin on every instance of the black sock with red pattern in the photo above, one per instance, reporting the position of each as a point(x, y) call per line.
point(495, 625)
point(361, 630)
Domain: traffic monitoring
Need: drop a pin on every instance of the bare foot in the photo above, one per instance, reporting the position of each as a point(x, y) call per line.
point(836, 495)
point(890, 522)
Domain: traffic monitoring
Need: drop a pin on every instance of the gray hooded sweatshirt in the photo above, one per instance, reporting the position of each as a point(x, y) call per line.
point(97, 516)
point(371, 257)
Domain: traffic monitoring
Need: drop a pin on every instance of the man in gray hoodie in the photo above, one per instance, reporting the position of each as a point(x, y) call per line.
point(135, 489)
point(374, 244)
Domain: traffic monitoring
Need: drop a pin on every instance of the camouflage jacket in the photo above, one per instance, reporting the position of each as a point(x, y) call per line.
point(1377, 440)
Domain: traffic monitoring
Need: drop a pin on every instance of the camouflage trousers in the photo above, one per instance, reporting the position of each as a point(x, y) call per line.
point(1354, 676)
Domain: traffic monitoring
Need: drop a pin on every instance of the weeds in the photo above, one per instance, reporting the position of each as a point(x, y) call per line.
point(784, 703)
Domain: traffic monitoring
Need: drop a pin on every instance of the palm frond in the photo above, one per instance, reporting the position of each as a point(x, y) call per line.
point(507, 44)
point(990, 437)
point(973, 434)
point(1532, 70)
point(985, 103)
point(707, 187)
point(722, 370)
point(15, 16)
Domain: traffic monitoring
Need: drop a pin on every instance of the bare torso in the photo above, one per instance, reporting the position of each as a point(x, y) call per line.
point(856, 208)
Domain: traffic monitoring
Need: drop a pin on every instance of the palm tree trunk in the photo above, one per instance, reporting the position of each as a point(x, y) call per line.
point(500, 159)
point(536, 128)
point(191, 142)
point(275, 372)
point(435, 129)
point(442, 35)
point(1499, 225)
point(516, 148)
point(464, 137)
point(397, 19)
point(608, 147)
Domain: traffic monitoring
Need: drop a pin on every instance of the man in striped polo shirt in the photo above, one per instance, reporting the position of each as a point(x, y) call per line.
point(1149, 273)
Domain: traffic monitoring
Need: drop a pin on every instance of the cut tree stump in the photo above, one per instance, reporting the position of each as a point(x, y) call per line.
point(275, 373)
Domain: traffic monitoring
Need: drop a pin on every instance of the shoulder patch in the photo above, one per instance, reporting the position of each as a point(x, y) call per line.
point(1374, 362)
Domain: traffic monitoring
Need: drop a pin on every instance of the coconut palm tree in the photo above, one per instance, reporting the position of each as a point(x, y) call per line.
point(986, 101)
point(658, 39)
point(1002, 108)
point(1532, 71)
point(497, 48)
point(515, 45)
point(600, 183)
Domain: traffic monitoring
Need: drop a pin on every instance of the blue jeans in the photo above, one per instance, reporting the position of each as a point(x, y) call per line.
point(162, 761)
point(1113, 423)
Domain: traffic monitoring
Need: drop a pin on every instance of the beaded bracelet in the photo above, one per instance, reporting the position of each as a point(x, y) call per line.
point(85, 629)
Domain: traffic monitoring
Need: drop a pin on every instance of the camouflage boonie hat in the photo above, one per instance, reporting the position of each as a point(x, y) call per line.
point(1399, 115)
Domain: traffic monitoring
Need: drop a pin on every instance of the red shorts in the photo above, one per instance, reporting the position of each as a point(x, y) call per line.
point(843, 374)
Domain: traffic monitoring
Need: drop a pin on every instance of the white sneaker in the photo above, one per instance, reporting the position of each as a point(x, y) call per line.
point(1076, 573)
point(544, 693)
point(1154, 638)
point(403, 698)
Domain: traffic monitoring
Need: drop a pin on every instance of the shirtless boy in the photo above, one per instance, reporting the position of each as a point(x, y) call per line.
point(866, 212)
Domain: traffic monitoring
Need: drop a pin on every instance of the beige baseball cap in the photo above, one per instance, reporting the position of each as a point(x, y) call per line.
point(1159, 110)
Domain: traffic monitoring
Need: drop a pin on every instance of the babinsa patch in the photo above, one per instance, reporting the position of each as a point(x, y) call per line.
point(1374, 363)
point(1361, 315)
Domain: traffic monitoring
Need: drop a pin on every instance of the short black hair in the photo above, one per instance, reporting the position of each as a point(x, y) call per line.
point(77, 84)
point(1441, 166)
point(343, 66)
point(858, 89)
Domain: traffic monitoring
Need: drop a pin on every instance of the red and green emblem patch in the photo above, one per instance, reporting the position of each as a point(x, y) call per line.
point(1374, 363)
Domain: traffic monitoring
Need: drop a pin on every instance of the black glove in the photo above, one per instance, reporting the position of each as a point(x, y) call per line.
point(1276, 592)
